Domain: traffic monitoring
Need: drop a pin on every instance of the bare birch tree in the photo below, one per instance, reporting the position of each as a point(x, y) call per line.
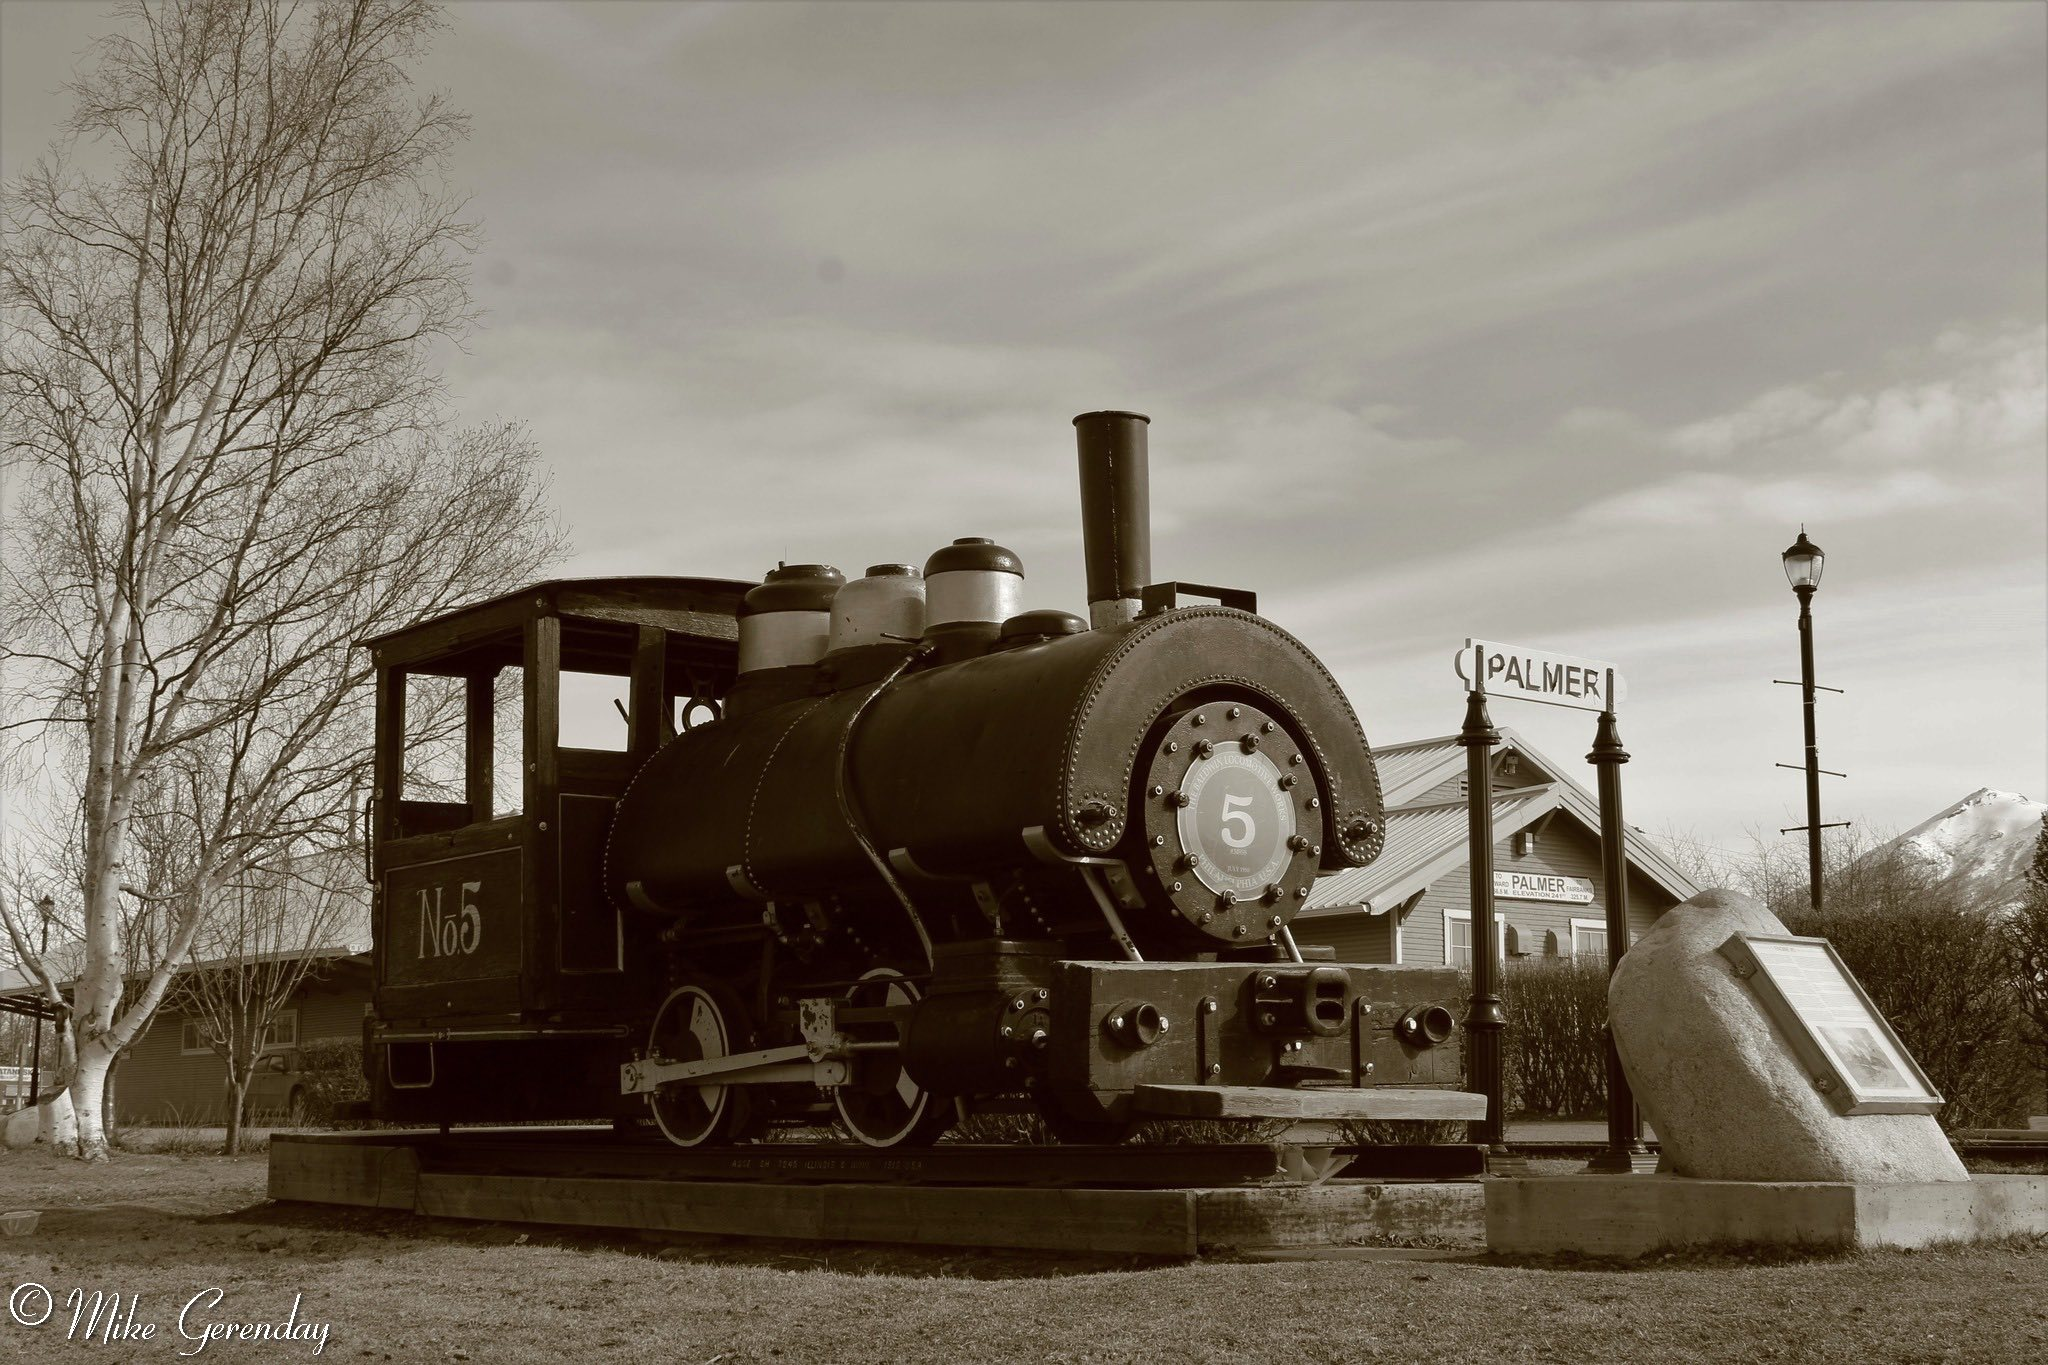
point(229, 452)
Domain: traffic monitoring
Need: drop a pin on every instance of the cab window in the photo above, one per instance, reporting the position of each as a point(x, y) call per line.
point(594, 709)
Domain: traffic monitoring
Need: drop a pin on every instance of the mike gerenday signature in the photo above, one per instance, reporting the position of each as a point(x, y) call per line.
point(105, 1317)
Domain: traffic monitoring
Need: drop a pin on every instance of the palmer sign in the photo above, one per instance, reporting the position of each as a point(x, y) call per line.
point(1538, 886)
point(1537, 675)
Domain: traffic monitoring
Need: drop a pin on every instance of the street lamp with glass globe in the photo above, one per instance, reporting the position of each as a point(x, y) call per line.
point(1803, 561)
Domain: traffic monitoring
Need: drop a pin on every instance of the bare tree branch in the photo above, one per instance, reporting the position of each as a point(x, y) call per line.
point(229, 457)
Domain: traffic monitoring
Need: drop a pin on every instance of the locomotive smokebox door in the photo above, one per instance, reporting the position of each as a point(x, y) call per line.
point(1233, 822)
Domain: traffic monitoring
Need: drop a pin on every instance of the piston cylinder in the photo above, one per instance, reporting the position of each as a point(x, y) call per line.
point(987, 1021)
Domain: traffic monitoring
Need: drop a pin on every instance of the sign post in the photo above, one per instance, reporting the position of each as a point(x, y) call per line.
point(1485, 1019)
point(1585, 685)
point(1624, 1133)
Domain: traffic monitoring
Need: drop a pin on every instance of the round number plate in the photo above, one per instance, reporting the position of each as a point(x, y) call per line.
point(1232, 819)
point(1237, 821)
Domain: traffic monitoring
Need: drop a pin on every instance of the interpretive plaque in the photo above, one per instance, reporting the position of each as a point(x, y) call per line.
point(1849, 1049)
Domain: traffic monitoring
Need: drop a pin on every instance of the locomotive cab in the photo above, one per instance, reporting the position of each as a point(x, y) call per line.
point(505, 734)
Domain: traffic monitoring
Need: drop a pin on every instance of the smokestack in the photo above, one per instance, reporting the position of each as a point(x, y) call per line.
point(1116, 513)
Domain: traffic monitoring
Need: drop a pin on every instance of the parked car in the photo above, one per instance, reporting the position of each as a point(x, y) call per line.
point(278, 1089)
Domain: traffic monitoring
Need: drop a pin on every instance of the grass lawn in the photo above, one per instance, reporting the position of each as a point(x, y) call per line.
point(395, 1287)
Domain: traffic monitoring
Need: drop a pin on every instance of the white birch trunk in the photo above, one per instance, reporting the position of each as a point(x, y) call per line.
point(88, 1087)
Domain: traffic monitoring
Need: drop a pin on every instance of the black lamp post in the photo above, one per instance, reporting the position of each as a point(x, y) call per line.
point(45, 908)
point(1803, 562)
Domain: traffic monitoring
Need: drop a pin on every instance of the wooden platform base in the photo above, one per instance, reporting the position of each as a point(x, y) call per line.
point(417, 1173)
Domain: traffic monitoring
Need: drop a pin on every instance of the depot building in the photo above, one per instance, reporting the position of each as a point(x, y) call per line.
point(1413, 904)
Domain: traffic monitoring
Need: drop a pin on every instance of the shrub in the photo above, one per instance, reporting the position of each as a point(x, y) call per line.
point(1934, 966)
point(333, 1068)
point(1391, 1133)
point(2025, 934)
point(1555, 1050)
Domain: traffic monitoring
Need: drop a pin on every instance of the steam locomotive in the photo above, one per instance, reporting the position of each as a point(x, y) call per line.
point(882, 852)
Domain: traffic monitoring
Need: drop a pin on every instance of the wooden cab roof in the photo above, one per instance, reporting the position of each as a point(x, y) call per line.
point(598, 615)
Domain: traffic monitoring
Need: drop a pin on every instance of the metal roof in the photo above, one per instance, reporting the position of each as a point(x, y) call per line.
point(1423, 842)
point(1408, 770)
point(486, 634)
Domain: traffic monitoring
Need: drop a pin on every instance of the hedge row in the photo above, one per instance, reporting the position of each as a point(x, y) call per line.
point(1929, 955)
point(1555, 1051)
point(334, 1075)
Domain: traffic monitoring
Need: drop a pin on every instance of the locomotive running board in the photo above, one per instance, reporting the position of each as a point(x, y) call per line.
point(1397, 1103)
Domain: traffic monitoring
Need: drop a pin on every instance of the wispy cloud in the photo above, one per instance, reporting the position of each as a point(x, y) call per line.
point(1715, 499)
point(1988, 404)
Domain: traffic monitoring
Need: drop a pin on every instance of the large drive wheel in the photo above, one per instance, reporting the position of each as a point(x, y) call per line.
point(695, 1025)
point(878, 1103)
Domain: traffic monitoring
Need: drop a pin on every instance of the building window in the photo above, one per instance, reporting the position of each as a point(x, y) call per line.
point(195, 1038)
point(1589, 939)
point(1458, 936)
point(282, 1031)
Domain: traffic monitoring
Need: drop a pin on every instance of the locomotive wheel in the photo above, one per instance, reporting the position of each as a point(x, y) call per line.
point(878, 1103)
point(695, 1025)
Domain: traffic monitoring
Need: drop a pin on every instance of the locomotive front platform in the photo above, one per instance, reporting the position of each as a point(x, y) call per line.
point(1161, 1201)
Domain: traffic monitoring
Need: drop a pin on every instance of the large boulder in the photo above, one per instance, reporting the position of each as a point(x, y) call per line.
point(49, 1120)
point(21, 1127)
point(1720, 1083)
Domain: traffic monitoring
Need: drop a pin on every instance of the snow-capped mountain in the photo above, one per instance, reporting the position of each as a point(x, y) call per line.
point(1984, 841)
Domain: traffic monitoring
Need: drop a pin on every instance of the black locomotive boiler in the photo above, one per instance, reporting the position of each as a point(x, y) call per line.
point(883, 852)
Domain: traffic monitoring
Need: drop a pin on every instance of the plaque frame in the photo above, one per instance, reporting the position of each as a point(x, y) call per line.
point(1786, 1003)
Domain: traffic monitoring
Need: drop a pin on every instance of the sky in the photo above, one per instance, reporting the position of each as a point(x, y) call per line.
point(1543, 323)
